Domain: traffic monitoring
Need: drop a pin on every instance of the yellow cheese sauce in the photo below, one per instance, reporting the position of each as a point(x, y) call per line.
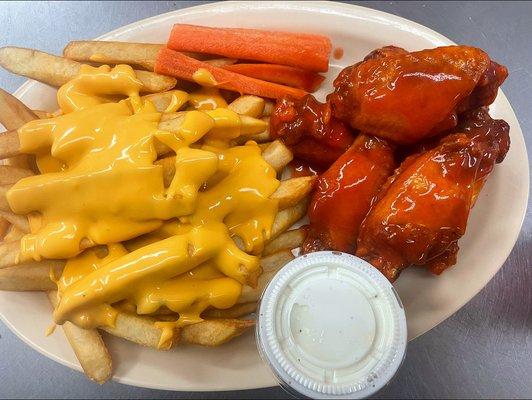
point(99, 186)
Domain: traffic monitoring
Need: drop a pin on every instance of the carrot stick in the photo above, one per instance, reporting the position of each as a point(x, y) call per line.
point(301, 50)
point(175, 64)
point(282, 74)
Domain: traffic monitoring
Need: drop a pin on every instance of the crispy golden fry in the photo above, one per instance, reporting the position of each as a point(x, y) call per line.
point(215, 332)
point(10, 175)
point(270, 265)
point(237, 311)
point(140, 54)
point(268, 108)
point(252, 126)
point(141, 330)
point(168, 102)
point(31, 276)
point(20, 221)
point(14, 114)
point(89, 348)
point(286, 241)
point(291, 191)
point(252, 106)
point(277, 155)
point(274, 262)
point(56, 71)
point(9, 253)
point(288, 217)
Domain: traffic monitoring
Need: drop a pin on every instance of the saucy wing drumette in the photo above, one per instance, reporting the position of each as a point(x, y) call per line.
point(309, 129)
point(406, 97)
point(344, 194)
point(422, 211)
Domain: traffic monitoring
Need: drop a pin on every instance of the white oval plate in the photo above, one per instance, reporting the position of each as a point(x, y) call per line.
point(492, 231)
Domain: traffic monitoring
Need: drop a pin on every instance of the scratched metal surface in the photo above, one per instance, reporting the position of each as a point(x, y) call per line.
point(483, 351)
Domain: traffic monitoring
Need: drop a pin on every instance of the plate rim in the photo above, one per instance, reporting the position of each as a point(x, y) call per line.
point(328, 7)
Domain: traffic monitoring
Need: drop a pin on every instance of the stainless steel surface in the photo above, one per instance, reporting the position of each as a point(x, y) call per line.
point(483, 351)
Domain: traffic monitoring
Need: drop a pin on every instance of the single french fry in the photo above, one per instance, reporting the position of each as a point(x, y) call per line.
point(139, 54)
point(31, 276)
point(268, 108)
point(215, 332)
point(274, 262)
point(14, 114)
point(89, 348)
point(288, 217)
point(10, 175)
point(286, 241)
point(9, 253)
point(20, 221)
point(252, 106)
point(168, 102)
point(237, 311)
point(270, 265)
point(56, 71)
point(141, 330)
point(277, 155)
point(293, 190)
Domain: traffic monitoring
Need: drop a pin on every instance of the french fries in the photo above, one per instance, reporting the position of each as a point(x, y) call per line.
point(252, 106)
point(237, 311)
point(270, 265)
point(286, 241)
point(140, 330)
point(291, 191)
point(215, 332)
point(219, 325)
point(288, 217)
point(277, 155)
point(56, 71)
point(32, 276)
point(139, 54)
point(89, 348)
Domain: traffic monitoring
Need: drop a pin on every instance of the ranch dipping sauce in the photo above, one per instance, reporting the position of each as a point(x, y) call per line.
point(331, 326)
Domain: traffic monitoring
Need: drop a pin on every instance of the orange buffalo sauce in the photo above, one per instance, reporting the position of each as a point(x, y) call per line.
point(99, 187)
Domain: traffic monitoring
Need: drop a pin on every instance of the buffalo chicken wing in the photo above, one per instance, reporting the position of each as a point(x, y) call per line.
point(406, 97)
point(422, 211)
point(344, 194)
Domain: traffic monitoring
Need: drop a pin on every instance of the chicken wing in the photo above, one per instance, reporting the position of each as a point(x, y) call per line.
point(309, 129)
point(423, 209)
point(408, 97)
point(345, 192)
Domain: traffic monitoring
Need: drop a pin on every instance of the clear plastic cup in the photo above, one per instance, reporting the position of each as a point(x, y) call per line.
point(330, 325)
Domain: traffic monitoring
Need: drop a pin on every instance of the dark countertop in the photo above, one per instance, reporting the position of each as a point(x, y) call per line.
point(482, 351)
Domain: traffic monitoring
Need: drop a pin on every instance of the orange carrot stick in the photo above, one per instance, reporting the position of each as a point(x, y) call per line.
point(301, 50)
point(175, 64)
point(282, 74)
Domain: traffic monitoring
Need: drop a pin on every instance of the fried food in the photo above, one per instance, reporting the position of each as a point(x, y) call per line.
point(344, 194)
point(408, 97)
point(423, 209)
